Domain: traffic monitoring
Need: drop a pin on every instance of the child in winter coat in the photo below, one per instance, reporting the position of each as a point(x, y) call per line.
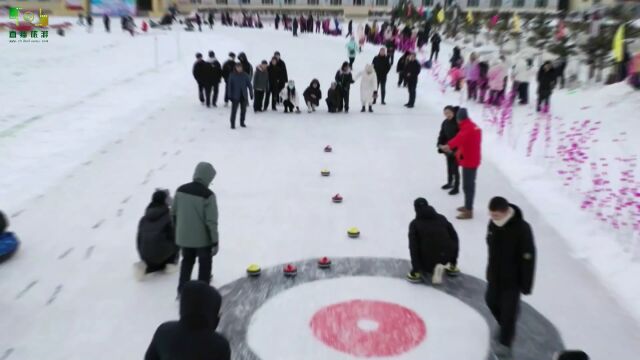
point(333, 97)
point(352, 48)
point(497, 74)
point(312, 95)
point(156, 237)
point(289, 97)
point(472, 75)
point(456, 75)
point(368, 86)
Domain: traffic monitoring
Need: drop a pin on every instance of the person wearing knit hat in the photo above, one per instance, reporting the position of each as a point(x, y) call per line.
point(467, 145)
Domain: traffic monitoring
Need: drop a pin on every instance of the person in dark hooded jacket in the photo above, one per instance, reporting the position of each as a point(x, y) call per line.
point(344, 79)
point(312, 95)
point(156, 236)
point(246, 65)
point(227, 69)
point(546, 82)
point(448, 130)
point(194, 336)
point(435, 46)
point(511, 267)
point(456, 58)
point(432, 242)
point(275, 86)
point(204, 74)
point(333, 97)
point(402, 62)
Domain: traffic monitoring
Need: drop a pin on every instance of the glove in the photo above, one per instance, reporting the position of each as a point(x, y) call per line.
point(214, 250)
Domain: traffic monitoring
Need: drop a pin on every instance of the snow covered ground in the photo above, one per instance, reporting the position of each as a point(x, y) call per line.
point(93, 128)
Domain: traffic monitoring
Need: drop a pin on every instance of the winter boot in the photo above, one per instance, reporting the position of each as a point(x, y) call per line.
point(452, 270)
point(454, 191)
point(363, 109)
point(465, 215)
point(370, 109)
point(447, 186)
point(438, 271)
point(461, 209)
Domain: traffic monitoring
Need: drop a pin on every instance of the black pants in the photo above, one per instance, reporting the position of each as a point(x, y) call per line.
point(504, 305)
point(344, 100)
point(412, 84)
point(273, 93)
point(543, 98)
point(382, 85)
point(523, 93)
point(234, 110)
point(453, 172)
point(434, 54)
point(401, 79)
point(215, 89)
point(351, 60)
point(226, 88)
point(288, 106)
point(189, 259)
point(469, 186)
point(204, 93)
point(332, 106)
point(258, 100)
point(153, 267)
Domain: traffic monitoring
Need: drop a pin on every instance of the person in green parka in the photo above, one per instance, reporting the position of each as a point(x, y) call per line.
point(195, 214)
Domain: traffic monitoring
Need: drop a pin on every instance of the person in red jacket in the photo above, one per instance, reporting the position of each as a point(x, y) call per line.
point(467, 144)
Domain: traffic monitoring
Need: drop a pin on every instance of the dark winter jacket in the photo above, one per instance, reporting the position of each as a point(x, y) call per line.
point(239, 87)
point(313, 95)
point(512, 254)
point(432, 239)
point(261, 80)
point(246, 65)
point(4, 223)
point(382, 66)
point(156, 235)
point(402, 62)
point(227, 69)
point(275, 77)
point(195, 210)
point(283, 76)
point(217, 70)
point(333, 96)
point(546, 80)
point(203, 72)
point(448, 130)
point(411, 71)
point(193, 337)
point(457, 56)
point(344, 80)
point(435, 42)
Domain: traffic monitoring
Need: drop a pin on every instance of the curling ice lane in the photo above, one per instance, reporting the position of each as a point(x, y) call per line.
point(275, 208)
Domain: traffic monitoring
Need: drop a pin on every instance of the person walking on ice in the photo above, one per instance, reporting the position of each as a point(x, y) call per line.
point(510, 269)
point(352, 49)
point(239, 90)
point(368, 85)
point(195, 214)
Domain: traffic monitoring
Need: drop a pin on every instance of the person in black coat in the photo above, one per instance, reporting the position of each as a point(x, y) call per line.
point(456, 58)
point(350, 28)
point(284, 76)
point(448, 130)
point(382, 66)
point(344, 79)
point(194, 336)
point(511, 266)
point(411, 71)
point(312, 95)
point(210, 20)
point(275, 84)
point(277, 21)
point(203, 73)
point(216, 77)
point(435, 46)
point(333, 97)
point(546, 82)
point(295, 26)
point(227, 69)
point(199, 22)
point(156, 235)
point(433, 241)
point(402, 62)
point(246, 65)
point(107, 22)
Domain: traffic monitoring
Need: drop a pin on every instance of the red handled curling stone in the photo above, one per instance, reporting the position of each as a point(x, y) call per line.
point(337, 199)
point(328, 148)
point(290, 270)
point(324, 263)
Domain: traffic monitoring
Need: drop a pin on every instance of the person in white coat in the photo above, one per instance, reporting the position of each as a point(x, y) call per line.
point(523, 72)
point(368, 87)
point(289, 96)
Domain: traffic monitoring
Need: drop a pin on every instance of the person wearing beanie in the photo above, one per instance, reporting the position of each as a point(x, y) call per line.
point(510, 267)
point(194, 336)
point(344, 79)
point(227, 69)
point(260, 85)
point(156, 237)
point(289, 96)
point(216, 77)
point(411, 71)
point(467, 145)
point(448, 130)
point(195, 215)
point(571, 355)
point(433, 244)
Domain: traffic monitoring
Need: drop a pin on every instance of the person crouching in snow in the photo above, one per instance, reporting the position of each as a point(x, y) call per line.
point(312, 95)
point(289, 97)
point(156, 237)
point(433, 244)
point(368, 86)
point(333, 97)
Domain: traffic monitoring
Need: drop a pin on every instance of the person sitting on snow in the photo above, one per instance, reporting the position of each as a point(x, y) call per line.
point(156, 237)
point(312, 95)
point(289, 97)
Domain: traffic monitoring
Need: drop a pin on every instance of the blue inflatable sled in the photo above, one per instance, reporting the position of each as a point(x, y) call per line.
point(8, 245)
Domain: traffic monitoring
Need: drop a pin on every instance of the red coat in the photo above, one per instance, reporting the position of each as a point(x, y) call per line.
point(468, 143)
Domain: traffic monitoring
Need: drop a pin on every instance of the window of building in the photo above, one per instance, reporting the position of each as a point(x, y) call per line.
point(336, 2)
point(358, 2)
point(289, 2)
point(427, 2)
point(382, 2)
point(313, 2)
point(542, 3)
point(473, 3)
point(245, 2)
point(196, 1)
point(496, 3)
point(267, 2)
point(518, 3)
point(221, 2)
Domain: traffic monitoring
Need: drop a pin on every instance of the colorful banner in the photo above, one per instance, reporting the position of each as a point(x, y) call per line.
point(469, 17)
point(113, 7)
point(618, 44)
point(440, 16)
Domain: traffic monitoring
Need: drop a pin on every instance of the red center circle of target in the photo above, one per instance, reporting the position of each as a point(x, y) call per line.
point(398, 329)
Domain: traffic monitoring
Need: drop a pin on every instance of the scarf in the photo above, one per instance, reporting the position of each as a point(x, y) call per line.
point(505, 220)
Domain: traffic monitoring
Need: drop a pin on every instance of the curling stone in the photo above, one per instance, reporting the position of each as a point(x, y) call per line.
point(325, 172)
point(337, 199)
point(290, 270)
point(353, 232)
point(324, 263)
point(253, 270)
point(328, 149)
